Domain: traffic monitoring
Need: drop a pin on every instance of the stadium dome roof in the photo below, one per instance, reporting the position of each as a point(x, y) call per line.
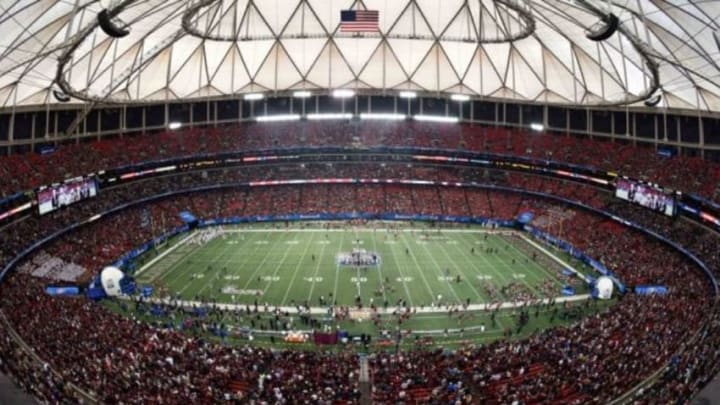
point(523, 50)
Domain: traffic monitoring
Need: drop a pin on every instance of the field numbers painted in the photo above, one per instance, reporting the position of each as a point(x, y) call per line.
point(358, 279)
point(446, 278)
point(232, 278)
point(233, 242)
point(391, 242)
point(484, 277)
point(197, 275)
point(232, 290)
point(261, 242)
point(313, 279)
point(323, 242)
point(358, 242)
point(292, 242)
point(518, 276)
point(270, 278)
point(404, 279)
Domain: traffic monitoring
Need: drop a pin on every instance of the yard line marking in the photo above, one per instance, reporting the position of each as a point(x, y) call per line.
point(337, 269)
point(440, 272)
point(553, 257)
point(379, 266)
point(297, 267)
point(196, 250)
point(459, 268)
point(230, 258)
point(488, 265)
point(402, 274)
point(418, 267)
point(355, 242)
point(512, 270)
point(163, 254)
point(277, 268)
point(184, 266)
point(161, 274)
point(542, 273)
point(262, 263)
point(215, 271)
point(317, 267)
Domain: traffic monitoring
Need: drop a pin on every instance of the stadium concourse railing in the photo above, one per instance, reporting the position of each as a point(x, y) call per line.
point(693, 206)
point(389, 216)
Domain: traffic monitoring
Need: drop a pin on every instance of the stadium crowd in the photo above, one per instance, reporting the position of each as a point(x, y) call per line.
point(122, 360)
point(598, 358)
point(689, 174)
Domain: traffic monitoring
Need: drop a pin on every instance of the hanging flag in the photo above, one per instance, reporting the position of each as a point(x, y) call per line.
point(359, 20)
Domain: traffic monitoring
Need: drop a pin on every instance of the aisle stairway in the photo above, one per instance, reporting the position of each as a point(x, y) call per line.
point(365, 388)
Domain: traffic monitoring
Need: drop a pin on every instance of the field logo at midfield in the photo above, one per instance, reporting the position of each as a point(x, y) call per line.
point(358, 258)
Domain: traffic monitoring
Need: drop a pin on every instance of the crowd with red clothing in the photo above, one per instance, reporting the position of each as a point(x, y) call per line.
point(689, 174)
point(594, 360)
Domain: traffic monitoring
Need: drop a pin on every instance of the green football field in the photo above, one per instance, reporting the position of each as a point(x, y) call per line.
point(424, 267)
point(446, 277)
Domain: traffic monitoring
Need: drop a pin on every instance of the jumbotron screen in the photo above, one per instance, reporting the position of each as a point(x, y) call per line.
point(645, 195)
point(70, 192)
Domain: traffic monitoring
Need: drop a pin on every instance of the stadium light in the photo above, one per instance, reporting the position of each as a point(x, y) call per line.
point(537, 127)
point(407, 94)
point(174, 125)
point(604, 29)
point(382, 116)
point(279, 117)
point(460, 98)
point(111, 25)
point(253, 96)
point(336, 116)
point(302, 94)
point(437, 118)
point(343, 93)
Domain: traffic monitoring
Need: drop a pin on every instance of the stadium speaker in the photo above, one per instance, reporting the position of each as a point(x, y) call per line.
point(110, 27)
point(653, 101)
point(60, 96)
point(604, 29)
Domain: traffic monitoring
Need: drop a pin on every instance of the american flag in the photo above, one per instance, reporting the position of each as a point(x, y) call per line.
point(359, 20)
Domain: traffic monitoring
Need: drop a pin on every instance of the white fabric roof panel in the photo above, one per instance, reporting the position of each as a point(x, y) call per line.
point(438, 46)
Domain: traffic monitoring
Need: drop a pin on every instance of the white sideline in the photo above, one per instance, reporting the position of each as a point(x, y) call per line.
point(389, 310)
point(555, 258)
point(431, 231)
point(163, 254)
